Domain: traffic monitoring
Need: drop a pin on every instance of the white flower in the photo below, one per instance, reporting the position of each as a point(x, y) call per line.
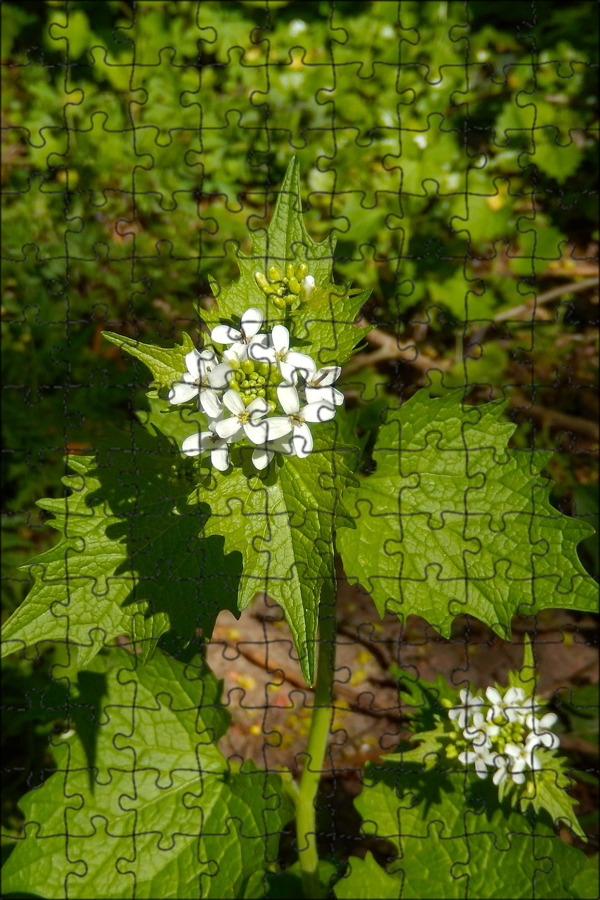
point(481, 732)
point(296, 418)
point(319, 386)
point(539, 731)
point(469, 706)
point(521, 757)
point(262, 456)
point(279, 352)
point(240, 338)
point(507, 707)
point(204, 376)
point(198, 443)
point(248, 420)
point(480, 757)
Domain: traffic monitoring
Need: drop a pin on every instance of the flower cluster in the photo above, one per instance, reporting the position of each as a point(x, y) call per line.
point(259, 390)
point(503, 733)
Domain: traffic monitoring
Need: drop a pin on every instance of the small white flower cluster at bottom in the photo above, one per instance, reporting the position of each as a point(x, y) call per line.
point(503, 733)
point(240, 388)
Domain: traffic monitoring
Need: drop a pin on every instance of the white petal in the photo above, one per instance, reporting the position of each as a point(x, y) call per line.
point(181, 393)
point(225, 334)
point(240, 349)
point(493, 695)
point(514, 695)
point(326, 376)
point(258, 406)
point(328, 395)
point(233, 402)
point(268, 429)
point(192, 360)
point(288, 399)
point(229, 429)
point(251, 322)
point(283, 445)
point(220, 376)
point(303, 362)
point(231, 355)
point(513, 750)
point(261, 457)
point(548, 721)
point(288, 373)
point(260, 352)
point(210, 403)
point(281, 338)
point(303, 441)
point(317, 412)
point(499, 775)
point(219, 457)
point(209, 356)
point(191, 445)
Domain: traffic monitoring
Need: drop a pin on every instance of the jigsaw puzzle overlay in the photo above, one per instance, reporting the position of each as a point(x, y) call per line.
point(300, 449)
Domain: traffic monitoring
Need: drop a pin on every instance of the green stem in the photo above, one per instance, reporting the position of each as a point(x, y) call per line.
point(317, 745)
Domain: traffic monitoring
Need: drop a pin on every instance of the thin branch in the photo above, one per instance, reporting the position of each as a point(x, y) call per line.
point(389, 348)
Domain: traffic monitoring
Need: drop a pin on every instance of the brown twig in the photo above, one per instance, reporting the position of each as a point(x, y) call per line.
point(389, 348)
point(555, 418)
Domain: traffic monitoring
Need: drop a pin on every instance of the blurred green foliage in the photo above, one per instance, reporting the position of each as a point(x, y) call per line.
point(451, 146)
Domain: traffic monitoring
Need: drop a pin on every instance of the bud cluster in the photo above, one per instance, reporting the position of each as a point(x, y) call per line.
point(287, 289)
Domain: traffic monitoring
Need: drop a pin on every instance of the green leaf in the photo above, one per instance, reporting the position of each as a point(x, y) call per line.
point(366, 879)
point(166, 365)
point(156, 811)
point(449, 845)
point(324, 325)
point(282, 524)
point(452, 522)
point(131, 560)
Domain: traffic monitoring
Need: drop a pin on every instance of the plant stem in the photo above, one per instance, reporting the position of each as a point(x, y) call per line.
point(317, 744)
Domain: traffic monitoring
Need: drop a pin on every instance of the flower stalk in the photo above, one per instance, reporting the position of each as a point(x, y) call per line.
point(315, 752)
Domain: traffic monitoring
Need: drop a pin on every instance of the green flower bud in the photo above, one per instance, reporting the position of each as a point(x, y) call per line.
point(294, 285)
point(289, 270)
point(235, 364)
point(274, 273)
point(261, 392)
point(451, 751)
point(263, 368)
point(259, 379)
point(247, 366)
point(280, 304)
point(245, 383)
point(262, 282)
point(301, 271)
